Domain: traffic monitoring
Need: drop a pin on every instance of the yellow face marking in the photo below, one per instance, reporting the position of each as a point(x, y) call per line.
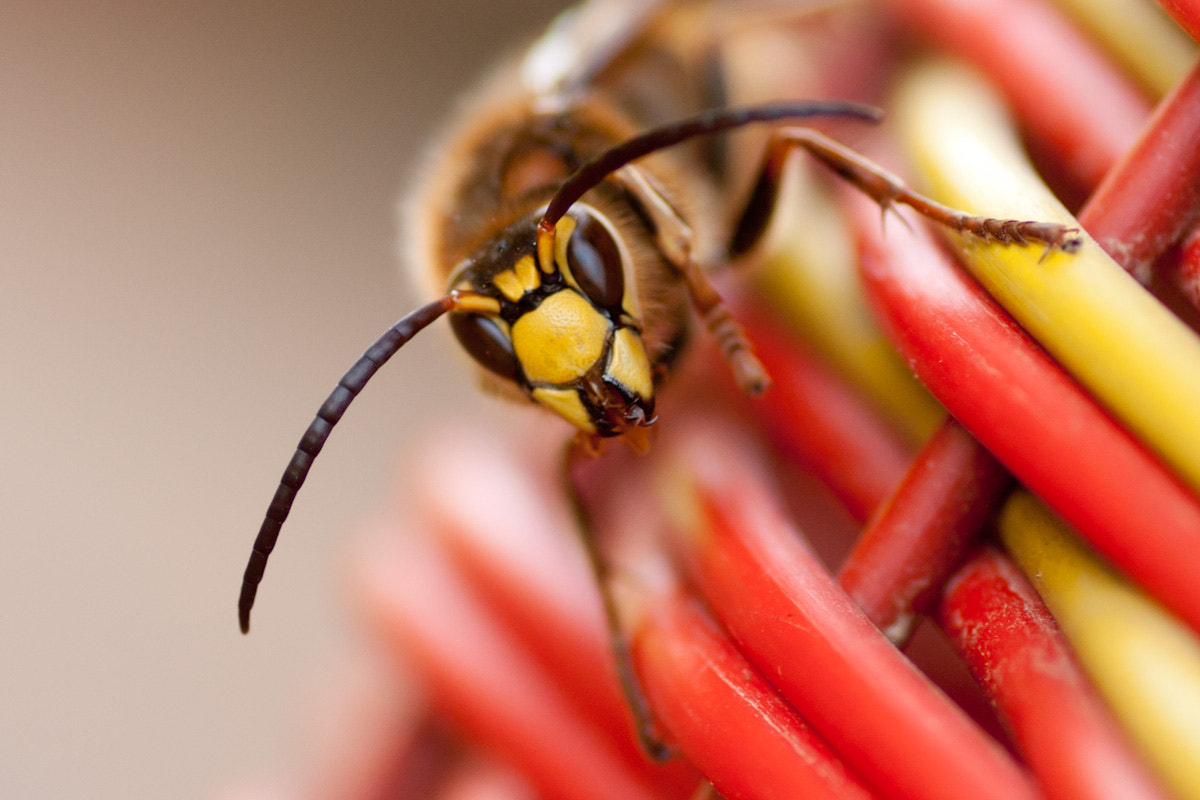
point(527, 274)
point(559, 340)
point(628, 364)
point(562, 237)
point(552, 244)
point(478, 304)
point(514, 283)
point(509, 285)
point(563, 230)
point(565, 403)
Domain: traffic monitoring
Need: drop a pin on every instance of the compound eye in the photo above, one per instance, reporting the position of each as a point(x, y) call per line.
point(488, 343)
point(595, 262)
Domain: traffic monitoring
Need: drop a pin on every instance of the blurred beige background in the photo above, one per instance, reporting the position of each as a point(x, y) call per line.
point(197, 237)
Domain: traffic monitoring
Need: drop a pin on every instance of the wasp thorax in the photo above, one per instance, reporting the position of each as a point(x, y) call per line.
point(565, 332)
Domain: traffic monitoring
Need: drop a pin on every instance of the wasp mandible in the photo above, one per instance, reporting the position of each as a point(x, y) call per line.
point(573, 213)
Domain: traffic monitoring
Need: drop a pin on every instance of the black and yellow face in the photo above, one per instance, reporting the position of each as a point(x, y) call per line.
point(565, 333)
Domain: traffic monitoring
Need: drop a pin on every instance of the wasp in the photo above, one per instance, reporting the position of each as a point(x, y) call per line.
point(571, 218)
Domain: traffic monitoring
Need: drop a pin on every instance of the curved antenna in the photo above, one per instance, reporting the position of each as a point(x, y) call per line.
point(322, 425)
point(705, 123)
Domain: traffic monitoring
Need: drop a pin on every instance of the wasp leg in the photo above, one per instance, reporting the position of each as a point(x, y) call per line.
point(644, 725)
point(675, 239)
point(884, 188)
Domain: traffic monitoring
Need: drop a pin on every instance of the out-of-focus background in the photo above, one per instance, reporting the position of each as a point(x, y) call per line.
point(197, 236)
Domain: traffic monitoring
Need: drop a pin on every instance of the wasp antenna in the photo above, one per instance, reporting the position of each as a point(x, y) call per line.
point(318, 432)
point(705, 123)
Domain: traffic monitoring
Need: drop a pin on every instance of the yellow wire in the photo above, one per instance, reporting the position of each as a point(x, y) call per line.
point(809, 276)
point(1140, 35)
point(1133, 354)
point(1144, 662)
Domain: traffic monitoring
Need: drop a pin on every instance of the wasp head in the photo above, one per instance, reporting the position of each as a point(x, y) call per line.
point(565, 332)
